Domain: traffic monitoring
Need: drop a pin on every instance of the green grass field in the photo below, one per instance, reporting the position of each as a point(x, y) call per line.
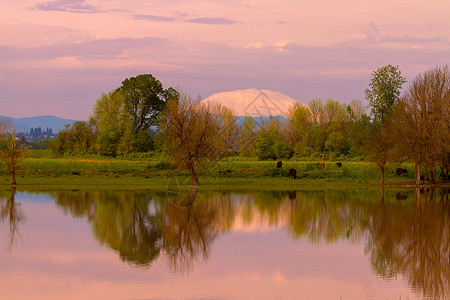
point(40, 169)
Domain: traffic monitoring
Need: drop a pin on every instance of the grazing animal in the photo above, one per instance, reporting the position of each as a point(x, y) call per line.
point(223, 172)
point(339, 164)
point(399, 196)
point(293, 173)
point(321, 165)
point(279, 164)
point(400, 171)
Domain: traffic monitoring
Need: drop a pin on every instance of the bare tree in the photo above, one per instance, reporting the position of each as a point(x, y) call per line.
point(378, 144)
point(196, 134)
point(425, 120)
point(10, 151)
point(357, 109)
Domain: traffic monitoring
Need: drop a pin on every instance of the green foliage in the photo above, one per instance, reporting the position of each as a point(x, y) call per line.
point(40, 145)
point(323, 128)
point(145, 98)
point(385, 85)
point(358, 130)
point(12, 152)
point(76, 139)
point(246, 137)
point(113, 124)
point(270, 143)
point(144, 141)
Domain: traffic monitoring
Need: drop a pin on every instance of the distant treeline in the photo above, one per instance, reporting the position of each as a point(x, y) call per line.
point(36, 134)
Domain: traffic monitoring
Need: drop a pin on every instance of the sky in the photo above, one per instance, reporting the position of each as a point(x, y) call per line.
point(57, 57)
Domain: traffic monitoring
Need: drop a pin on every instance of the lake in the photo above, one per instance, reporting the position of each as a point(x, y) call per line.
point(195, 244)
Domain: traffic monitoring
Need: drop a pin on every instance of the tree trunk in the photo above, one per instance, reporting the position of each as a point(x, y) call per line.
point(417, 174)
point(193, 174)
point(13, 178)
point(193, 195)
point(417, 195)
point(446, 173)
point(382, 176)
point(382, 194)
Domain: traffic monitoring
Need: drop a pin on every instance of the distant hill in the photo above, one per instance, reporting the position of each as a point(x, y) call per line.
point(25, 124)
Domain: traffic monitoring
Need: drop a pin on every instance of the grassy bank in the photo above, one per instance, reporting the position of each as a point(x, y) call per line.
point(41, 169)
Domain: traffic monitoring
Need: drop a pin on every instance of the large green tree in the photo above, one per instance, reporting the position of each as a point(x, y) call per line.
point(383, 95)
point(145, 98)
point(113, 124)
point(385, 85)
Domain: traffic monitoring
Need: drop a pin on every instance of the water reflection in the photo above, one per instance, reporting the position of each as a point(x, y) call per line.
point(122, 220)
point(11, 213)
point(412, 240)
point(406, 233)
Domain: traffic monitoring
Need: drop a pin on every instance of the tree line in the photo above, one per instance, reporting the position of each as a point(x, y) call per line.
point(37, 134)
point(142, 116)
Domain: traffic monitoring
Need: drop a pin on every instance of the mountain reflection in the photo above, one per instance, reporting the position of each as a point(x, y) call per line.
point(407, 235)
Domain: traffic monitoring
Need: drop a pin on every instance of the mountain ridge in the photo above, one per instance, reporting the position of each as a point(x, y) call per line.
point(46, 121)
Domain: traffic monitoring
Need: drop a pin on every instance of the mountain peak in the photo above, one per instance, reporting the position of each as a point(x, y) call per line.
point(253, 102)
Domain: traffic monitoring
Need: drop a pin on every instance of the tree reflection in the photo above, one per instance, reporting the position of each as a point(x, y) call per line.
point(326, 216)
point(11, 211)
point(410, 237)
point(120, 219)
point(414, 241)
point(142, 225)
point(188, 227)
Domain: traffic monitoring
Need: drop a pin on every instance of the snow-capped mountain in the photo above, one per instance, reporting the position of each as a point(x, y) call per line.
point(254, 103)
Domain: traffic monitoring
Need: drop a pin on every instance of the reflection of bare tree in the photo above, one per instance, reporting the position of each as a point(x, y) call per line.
point(11, 211)
point(413, 241)
point(188, 229)
point(140, 225)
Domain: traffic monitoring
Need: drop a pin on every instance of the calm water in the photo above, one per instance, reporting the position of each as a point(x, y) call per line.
point(121, 244)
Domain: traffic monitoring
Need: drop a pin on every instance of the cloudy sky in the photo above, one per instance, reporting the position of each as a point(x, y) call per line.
point(57, 57)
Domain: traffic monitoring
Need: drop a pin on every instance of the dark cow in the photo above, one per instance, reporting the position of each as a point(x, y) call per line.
point(279, 164)
point(223, 172)
point(339, 164)
point(293, 173)
point(400, 171)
